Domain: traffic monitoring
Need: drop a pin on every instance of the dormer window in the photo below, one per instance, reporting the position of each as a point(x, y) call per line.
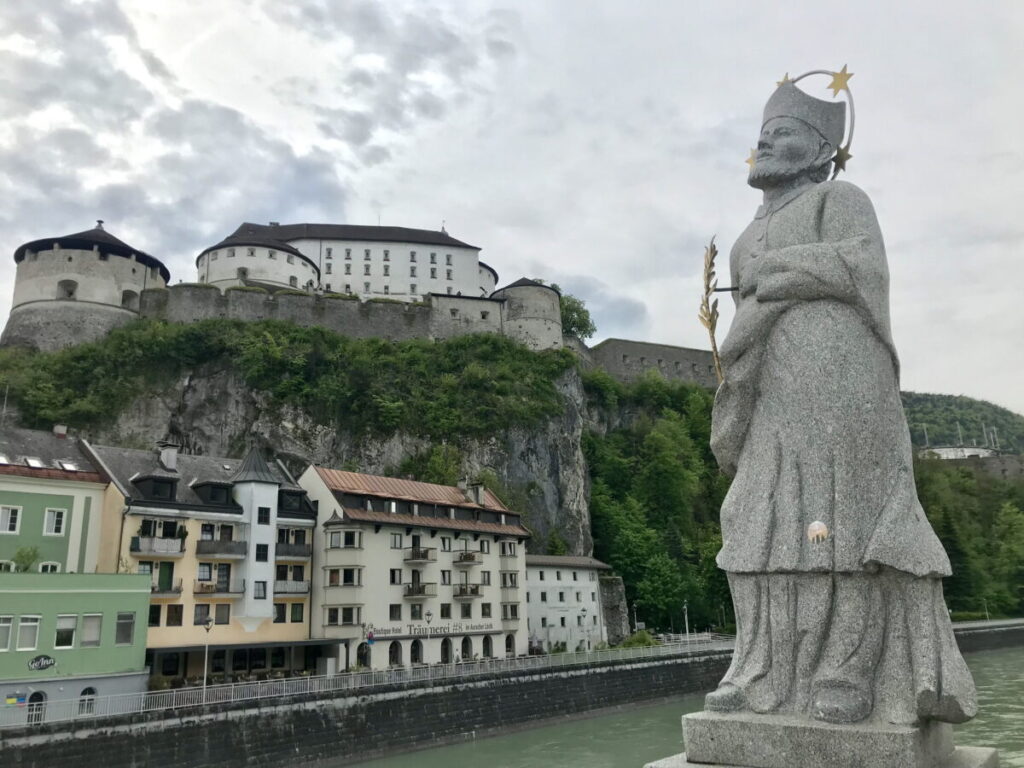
point(218, 494)
point(33, 462)
point(162, 489)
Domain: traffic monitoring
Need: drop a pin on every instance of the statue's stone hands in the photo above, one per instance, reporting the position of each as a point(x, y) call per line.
point(749, 274)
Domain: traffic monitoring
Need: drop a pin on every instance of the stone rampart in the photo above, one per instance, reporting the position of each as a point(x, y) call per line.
point(1003, 467)
point(52, 325)
point(330, 731)
point(628, 360)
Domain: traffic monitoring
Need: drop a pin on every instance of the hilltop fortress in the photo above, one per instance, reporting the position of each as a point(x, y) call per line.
point(362, 281)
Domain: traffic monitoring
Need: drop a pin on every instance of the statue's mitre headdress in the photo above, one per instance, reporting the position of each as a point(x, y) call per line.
point(826, 117)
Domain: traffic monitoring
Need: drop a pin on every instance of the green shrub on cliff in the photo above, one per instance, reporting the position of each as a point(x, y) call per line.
point(471, 386)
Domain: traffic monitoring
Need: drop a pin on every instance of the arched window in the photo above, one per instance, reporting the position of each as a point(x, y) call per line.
point(87, 701)
point(67, 289)
point(488, 647)
point(416, 652)
point(467, 649)
point(510, 646)
point(130, 300)
point(363, 655)
point(36, 707)
point(395, 654)
point(446, 651)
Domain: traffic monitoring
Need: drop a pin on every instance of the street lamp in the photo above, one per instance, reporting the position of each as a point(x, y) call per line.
point(429, 615)
point(686, 618)
point(586, 629)
point(207, 625)
point(636, 626)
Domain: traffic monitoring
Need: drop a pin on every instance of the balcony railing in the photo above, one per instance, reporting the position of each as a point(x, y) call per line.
point(419, 589)
point(467, 558)
point(154, 545)
point(291, 587)
point(216, 548)
point(420, 555)
point(173, 587)
point(466, 590)
point(301, 551)
point(229, 587)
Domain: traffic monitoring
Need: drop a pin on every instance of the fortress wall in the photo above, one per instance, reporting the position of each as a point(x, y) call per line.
point(52, 325)
point(1003, 467)
point(456, 316)
point(532, 315)
point(628, 360)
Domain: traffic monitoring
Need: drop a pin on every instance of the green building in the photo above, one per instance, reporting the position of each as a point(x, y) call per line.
point(70, 636)
point(51, 502)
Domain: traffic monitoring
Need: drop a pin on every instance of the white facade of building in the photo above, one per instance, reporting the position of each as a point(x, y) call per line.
point(400, 586)
point(230, 265)
point(564, 602)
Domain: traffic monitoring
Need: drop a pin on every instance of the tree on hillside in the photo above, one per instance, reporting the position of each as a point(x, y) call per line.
point(576, 320)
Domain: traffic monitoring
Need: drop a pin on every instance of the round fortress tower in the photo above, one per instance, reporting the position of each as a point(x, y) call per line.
point(73, 289)
point(532, 313)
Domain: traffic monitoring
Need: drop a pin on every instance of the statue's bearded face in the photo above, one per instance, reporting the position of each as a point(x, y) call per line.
point(787, 149)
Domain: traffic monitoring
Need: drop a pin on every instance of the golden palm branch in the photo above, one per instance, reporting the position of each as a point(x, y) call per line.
point(708, 314)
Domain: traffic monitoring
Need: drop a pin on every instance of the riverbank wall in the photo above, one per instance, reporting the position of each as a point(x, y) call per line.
point(335, 730)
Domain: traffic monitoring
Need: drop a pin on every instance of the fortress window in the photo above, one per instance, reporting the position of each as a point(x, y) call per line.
point(387, 290)
point(328, 267)
point(366, 287)
point(711, 369)
point(679, 367)
point(625, 359)
point(412, 289)
point(366, 255)
point(130, 300)
point(348, 287)
point(293, 281)
point(67, 289)
point(448, 274)
point(643, 361)
point(433, 272)
point(412, 256)
point(412, 271)
point(291, 260)
point(366, 269)
point(328, 252)
point(213, 256)
point(243, 273)
point(250, 251)
point(348, 253)
point(387, 270)
point(484, 315)
point(104, 256)
point(433, 258)
point(231, 253)
point(449, 290)
point(448, 259)
point(328, 287)
point(348, 269)
point(272, 254)
point(455, 312)
point(387, 255)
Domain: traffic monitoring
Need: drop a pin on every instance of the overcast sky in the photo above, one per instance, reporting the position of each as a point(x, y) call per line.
point(595, 144)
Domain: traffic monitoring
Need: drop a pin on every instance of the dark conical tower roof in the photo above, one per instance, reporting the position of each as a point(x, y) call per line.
point(254, 470)
point(86, 240)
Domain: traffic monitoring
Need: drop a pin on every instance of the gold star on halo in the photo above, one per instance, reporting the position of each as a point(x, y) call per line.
point(842, 156)
point(785, 79)
point(752, 159)
point(840, 80)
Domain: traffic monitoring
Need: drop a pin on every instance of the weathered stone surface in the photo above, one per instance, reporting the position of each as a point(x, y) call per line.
point(962, 757)
point(779, 741)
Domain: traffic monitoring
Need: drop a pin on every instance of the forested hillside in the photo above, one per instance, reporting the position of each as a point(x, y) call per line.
point(531, 425)
point(940, 414)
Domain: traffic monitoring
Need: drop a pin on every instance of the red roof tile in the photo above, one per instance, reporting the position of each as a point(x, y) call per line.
point(407, 490)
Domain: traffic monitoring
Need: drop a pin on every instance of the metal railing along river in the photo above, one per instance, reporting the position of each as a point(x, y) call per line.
point(186, 698)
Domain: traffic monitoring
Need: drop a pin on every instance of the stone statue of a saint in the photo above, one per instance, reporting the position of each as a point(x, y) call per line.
point(835, 571)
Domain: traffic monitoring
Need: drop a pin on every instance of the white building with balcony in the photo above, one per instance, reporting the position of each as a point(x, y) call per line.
point(564, 609)
point(414, 573)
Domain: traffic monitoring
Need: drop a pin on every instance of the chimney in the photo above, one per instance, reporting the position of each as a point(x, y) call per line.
point(476, 493)
point(462, 484)
point(168, 456)
point(60, 431)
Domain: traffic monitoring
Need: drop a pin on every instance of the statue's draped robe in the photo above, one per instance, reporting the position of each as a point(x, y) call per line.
point(810, 422)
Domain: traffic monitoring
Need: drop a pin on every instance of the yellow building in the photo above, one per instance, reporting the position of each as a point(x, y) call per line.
point(228, 546)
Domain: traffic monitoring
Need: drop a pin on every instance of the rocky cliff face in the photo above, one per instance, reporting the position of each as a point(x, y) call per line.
point(212, 411)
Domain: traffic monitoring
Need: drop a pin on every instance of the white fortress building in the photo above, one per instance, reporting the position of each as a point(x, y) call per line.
point(412, 573)
point(564, 603)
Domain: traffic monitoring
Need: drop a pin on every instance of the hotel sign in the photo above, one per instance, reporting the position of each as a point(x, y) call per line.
point(426, 630)
point(41, 662)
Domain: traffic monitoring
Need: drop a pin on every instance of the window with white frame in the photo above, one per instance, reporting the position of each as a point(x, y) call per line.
point(5, 632)
point(448, 259)
point(64, 637)
point(396, 541)
point(205, 571)
point(412, 256)
point(10, 519)
point(446, 577)
point(332, 617)
point(387, 255)
point(6, 566)
point(92, 626)
point(508, 549)
point(49, 567)
point(433, 272)
point(510, 610)
point(334, 540)
point(412, 288)
point(54, 522)
point(446, 543)
point(396, 575)
point(348, 269)
point(125, 631)
point(485, 546)
point(433, 258)
point(28, 633)
point(350, 615)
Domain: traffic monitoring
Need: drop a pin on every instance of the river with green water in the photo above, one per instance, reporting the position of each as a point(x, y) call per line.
point(636, 734)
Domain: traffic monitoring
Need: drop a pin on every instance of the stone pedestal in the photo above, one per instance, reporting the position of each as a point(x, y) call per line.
point(747, 740)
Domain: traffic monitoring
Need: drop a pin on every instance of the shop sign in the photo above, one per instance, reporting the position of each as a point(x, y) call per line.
point(41, 662)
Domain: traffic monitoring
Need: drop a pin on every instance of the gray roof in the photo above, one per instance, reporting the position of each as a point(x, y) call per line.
point(289, 232)
point(567, 561)
point(525, 282)
point(55, 453)
point(123, 464)
point(254, 470)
